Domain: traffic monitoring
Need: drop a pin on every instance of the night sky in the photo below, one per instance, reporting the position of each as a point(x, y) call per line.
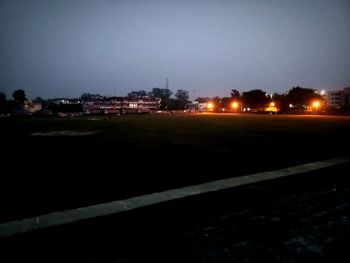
point(64, 48)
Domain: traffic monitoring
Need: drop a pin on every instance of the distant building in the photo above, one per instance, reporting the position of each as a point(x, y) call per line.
point(192, 106)
point(66, 106)
point(32, 107)
point(339, 99)
point(102, 105)
point(203, 106)
point(334, 99)
point(196, 106)
point(116, 105)
point(60, 101)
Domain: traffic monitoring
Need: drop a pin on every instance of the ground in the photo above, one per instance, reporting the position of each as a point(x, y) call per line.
point(96, 159)
point(54, 164)
point(301, 218)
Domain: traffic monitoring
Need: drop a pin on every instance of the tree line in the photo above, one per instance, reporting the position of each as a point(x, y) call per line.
point(167, 102)
point(296, 98)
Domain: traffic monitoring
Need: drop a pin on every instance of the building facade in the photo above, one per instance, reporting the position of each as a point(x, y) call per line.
point(334, 99)
point(120, 105)
point(339, 99)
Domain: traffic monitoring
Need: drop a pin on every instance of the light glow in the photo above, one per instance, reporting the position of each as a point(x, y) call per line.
point(234, 105)
point(316, 104)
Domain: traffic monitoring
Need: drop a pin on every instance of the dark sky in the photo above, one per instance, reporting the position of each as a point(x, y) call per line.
point(64, 48)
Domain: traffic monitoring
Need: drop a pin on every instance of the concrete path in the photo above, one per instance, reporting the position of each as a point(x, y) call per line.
point(83, 213)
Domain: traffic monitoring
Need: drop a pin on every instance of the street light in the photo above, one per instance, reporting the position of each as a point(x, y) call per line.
point(210, 106)
point(316, 104)
point(272, 104)
point(235, 105)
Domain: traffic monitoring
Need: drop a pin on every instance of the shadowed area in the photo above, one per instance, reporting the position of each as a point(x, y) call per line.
point(302, 218)
point(132, 155)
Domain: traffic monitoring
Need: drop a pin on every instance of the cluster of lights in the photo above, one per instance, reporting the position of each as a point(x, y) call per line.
point(234, 105)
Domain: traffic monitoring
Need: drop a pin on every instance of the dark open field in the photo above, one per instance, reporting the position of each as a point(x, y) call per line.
point(123, 156)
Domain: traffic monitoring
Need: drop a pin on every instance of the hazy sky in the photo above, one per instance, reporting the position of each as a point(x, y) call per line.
point(64, 48)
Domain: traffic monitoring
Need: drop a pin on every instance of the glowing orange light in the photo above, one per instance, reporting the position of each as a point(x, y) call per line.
point(316, 104)
point(210, 105)
point(234, 105)
point(272, 104)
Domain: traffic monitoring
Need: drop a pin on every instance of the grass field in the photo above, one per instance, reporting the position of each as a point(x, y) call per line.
point(80, 161)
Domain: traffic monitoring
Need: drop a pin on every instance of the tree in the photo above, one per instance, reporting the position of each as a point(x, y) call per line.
point(161, 93)
point(41, 101)
point(87, 96)
point(2, 97)
point(19, 97)
point(217, 101)
point(235, 94)
point(301, 97)
point(202, 100)
point(164, 95)
point(255, 99)
point(182, 96)
point(225, 103)
point(281, 101)
point(3, 102)
point(175, 104)
point(138, 94)
point(54, 107)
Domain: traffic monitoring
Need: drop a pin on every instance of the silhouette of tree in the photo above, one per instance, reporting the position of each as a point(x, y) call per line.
point(217, 101)
point(255, 99)
point(140, 93)
point(235, 94)
point(19, 97)
point(40, 100)
point(175, 104)
point(3, 102)
point(182, 96)
point(87, 96)
point(161, 93)
point(301, 97)
point(164, 95)
point(280, 101)
point(203, 99)
point(225, 103)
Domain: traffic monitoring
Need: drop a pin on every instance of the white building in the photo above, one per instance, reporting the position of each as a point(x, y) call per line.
point(338, 99)
point(334, 99)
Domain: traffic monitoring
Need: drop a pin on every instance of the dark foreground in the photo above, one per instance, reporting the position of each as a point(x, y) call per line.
point(302, 218)
point(119, 157)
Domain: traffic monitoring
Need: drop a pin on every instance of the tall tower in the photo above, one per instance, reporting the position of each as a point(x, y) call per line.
point(167, 83)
